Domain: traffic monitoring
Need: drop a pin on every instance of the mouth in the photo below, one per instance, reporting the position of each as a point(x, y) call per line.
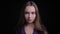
point(29, 20)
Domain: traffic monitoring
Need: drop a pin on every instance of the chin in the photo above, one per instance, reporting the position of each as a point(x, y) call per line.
point(29, 22)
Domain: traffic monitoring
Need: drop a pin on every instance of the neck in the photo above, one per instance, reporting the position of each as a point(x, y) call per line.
point(30, 25)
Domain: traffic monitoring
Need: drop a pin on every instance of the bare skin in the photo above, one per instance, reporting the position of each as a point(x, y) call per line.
point(29, 29)
point(30, 17)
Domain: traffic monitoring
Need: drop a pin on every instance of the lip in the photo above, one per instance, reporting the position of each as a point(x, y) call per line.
point(29, 19)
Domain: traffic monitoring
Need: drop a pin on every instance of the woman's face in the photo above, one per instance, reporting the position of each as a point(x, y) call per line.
point(30, 14)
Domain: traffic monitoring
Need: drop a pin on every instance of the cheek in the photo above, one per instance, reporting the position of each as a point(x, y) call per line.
point(33, 16)
point(26, 16)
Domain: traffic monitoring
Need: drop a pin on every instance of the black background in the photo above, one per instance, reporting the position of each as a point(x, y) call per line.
point(10, 13)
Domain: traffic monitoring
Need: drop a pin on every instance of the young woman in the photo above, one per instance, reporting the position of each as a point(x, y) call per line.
point(29, 21)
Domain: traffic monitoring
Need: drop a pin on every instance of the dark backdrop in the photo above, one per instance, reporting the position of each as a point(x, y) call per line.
point(10, 14)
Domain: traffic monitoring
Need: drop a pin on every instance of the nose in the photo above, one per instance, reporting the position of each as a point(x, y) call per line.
point(29, 15)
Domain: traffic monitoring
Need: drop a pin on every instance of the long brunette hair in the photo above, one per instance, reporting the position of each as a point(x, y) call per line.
point(37, 23)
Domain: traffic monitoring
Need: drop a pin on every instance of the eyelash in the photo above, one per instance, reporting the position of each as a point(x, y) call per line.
point(33, 13)
point(28, 13)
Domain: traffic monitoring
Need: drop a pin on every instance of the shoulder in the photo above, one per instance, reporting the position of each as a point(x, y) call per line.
point(16, 30)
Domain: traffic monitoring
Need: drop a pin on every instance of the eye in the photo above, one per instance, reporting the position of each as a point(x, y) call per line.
point(26, 12)
point(33, 12)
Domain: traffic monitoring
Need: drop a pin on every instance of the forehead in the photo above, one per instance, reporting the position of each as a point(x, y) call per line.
point(30, 8)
